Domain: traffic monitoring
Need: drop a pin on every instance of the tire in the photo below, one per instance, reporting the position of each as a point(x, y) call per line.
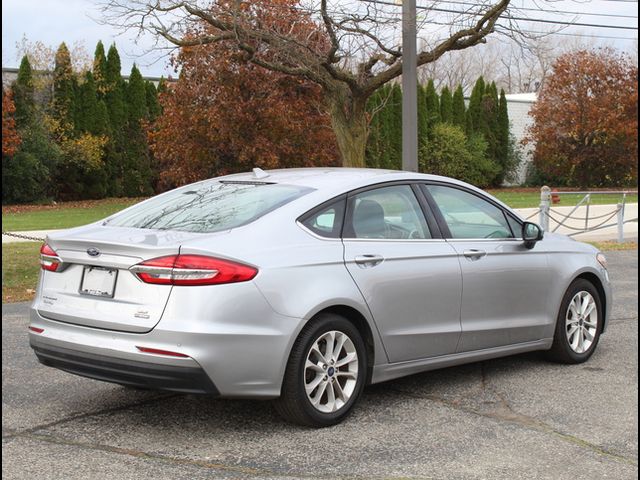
point(567, 348)
point(336, 376)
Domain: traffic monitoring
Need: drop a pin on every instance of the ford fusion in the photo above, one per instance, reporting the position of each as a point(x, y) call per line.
point(305, 285)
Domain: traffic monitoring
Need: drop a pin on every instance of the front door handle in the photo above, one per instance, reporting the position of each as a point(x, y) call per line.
point(474, 254)
point(368, 261)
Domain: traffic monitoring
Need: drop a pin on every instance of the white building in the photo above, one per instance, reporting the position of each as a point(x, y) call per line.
point(519, 105)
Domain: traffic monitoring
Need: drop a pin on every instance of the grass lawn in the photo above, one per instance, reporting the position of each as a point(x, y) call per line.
point(526, 198)
point(20, 267)
point(62, 215)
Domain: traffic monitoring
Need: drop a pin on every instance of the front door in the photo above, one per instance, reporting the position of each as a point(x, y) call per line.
point(504, 282)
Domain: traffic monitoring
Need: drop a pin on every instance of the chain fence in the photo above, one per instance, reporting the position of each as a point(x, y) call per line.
point(582, 224)
point(23, 237)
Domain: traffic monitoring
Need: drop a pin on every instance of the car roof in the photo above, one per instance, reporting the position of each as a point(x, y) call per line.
point(331, 177)
point(332, 181)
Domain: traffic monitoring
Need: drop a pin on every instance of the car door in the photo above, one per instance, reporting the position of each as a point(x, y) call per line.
point(408, 275)
point(505, 284)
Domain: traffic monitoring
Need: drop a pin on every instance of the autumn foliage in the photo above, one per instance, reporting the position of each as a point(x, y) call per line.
point(10, 137)
point(225, 115)
point(586, 121)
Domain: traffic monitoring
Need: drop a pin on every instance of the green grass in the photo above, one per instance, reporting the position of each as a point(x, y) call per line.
point(20, 269)
point(612, 245)
point(525, 199)
point(47, 218)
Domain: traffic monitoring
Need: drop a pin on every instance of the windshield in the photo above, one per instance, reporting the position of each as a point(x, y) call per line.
point(208, 207)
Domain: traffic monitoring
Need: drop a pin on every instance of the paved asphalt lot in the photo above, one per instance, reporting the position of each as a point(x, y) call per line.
point(519, 417)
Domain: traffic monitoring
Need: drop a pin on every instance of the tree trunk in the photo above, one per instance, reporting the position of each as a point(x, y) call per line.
point(350, 124)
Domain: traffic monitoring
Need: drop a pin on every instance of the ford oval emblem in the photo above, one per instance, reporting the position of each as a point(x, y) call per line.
point(93, 252)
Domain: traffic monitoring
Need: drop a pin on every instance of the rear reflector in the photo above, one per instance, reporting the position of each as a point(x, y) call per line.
point(36, 329)
point(49, 259)
point(161, 352)
point(192, 270)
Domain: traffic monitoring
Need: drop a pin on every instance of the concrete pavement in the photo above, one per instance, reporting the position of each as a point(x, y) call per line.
point(518, 417)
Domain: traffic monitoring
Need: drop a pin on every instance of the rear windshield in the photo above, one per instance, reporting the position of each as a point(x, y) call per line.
point(207, 207)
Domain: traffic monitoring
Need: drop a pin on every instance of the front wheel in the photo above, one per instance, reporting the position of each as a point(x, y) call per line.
point(325, 373)
point(579, 324)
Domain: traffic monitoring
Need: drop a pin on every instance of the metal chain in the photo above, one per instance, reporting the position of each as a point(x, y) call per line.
point(25, 237)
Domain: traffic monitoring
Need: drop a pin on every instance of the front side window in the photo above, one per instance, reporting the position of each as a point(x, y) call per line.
point(468, 215)
point(386, 213)
point(208, 207)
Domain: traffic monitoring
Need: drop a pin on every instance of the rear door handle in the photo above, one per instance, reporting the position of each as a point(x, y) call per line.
point(474, 254)
point(368, 261)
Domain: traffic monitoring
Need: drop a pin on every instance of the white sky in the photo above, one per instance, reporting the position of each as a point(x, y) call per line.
point(55, 21)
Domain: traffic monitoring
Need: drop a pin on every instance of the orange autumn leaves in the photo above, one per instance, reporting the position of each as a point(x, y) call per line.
point(225, 114)
point(586, 120)
point(10, 137)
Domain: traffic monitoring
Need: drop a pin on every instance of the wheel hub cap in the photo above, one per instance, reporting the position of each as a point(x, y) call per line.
point(581, 322)
point(331, 371)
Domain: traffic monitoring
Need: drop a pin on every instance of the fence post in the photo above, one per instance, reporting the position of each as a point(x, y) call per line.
point(545, 201)
point(620, 216)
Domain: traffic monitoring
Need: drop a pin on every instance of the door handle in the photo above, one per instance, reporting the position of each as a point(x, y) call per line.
point(367, 261)
point(474, 254)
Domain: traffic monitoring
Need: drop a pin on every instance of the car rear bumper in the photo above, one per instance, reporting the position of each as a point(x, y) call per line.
point(237, 350)
point(126, 372)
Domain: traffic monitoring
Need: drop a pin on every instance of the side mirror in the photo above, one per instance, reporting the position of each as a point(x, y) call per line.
point(531, 233)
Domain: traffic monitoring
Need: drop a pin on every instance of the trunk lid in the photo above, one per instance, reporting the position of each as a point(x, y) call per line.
point(95, 287)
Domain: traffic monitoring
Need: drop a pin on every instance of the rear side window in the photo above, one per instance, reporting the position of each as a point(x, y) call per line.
point(207, 207)
point(391, 213)
point(326, 222)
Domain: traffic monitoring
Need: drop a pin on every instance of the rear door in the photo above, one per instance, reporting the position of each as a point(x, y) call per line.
point(95, 287)
point(409, 277)
point(504, 282)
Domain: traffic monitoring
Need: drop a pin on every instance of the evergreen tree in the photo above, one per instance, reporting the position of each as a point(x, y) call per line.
point(153, 105)
point(458, 108)
point(114, 98)
point(136, 96)
point(137, 180)
point(446, 105)
point(432, 102)
point(64, 90)
point(23, 95)
point(100, 69)
point(87, 105)
point(489, 120)
point(503, 137)
point(115, 95)
point(423, 114)
point(474, 112)
point(393, 153)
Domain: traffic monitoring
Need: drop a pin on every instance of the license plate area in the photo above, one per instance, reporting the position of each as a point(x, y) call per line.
point(98, 281)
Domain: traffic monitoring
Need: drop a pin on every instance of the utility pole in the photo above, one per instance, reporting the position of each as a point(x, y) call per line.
point(409, 87)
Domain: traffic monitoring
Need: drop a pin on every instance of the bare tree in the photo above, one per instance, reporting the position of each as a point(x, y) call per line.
point(350, 48)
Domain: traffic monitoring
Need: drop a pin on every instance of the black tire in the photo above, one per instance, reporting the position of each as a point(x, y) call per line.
point(561, 350)
point(294, 404)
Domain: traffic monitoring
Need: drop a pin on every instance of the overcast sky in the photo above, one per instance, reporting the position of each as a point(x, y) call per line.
point(55, 21)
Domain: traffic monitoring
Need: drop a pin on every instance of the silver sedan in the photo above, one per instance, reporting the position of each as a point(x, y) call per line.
point(305, 285)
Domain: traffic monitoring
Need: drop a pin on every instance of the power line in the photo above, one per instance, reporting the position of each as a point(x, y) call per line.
point(560, 12)
point(511, 17)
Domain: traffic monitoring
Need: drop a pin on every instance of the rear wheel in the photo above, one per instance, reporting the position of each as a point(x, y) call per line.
point(578, 325)
point(325, 374)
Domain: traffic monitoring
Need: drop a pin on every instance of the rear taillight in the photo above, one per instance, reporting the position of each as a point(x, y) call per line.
point(49, 259)
point(192, 270)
